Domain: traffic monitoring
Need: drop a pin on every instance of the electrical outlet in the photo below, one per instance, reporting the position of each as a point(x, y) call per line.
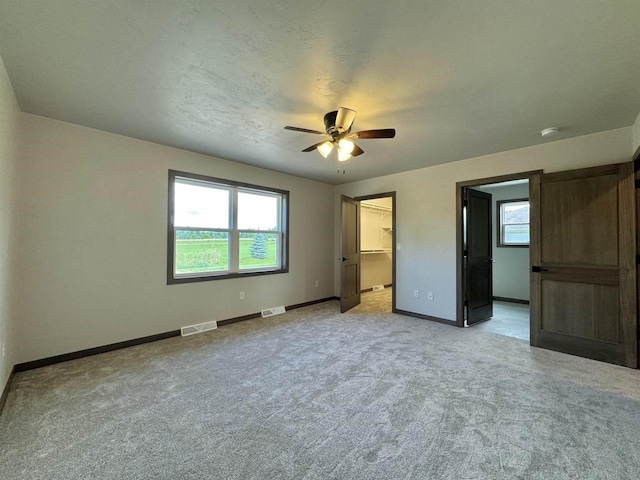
point(241, 295)
point(399, 246)
point(416, 294)
point(317, 283)
point(430, 295)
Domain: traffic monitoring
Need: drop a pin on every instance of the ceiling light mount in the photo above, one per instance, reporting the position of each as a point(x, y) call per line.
point(549, 132)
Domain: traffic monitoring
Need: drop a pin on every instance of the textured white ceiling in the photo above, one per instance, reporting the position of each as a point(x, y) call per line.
point(457, 79)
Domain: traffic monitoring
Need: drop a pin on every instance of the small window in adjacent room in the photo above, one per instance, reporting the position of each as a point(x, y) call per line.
point(224, 229)
point(513, 223)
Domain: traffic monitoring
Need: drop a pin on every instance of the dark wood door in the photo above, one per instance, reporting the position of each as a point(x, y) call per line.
point(478, 253)
point(350, 250)
point(583, 278)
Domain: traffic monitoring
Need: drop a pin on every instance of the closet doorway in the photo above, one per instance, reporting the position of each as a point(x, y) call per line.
point(377, 252)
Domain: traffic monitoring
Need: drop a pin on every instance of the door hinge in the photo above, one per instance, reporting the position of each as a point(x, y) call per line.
point(466, 304)
point(638, 258)
point(465, 253)
point(464, 203)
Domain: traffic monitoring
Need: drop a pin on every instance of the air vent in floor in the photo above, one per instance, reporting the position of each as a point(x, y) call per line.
point(270, 312)
point(201, 327)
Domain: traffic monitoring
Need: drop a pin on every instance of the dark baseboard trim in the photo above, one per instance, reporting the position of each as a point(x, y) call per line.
point(511, 300)
point(427, 317)
point(229, 321)
point(371, 289)
point(5, 390)
point(44, 362)
point(312, 302)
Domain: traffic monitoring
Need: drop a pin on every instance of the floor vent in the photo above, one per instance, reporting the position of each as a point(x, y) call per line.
point(201, 327)
point(377, 288)
point(270, 312)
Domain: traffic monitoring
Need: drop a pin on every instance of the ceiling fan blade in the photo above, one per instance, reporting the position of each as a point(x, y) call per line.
point(313, 147)
point(356, 151)
point(305, 130)
point(344, 118)
point(382, 133)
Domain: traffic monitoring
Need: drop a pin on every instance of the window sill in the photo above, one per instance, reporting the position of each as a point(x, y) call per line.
point(223, 276)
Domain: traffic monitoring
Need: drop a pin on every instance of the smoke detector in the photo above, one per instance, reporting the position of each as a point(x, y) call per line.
point(549, 132)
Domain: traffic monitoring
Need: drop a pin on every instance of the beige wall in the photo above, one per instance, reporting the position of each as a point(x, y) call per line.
point(9, 113)
point(425, 210)
point(93, 242)
point(636, 134)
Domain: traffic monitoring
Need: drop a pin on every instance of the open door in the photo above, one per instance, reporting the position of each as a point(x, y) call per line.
point(583, 282)
point(350, 253)
point(478, 263)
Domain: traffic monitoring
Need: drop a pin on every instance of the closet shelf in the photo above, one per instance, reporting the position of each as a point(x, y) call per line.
point(373, 206)
point(369, 207)
point(378, 250)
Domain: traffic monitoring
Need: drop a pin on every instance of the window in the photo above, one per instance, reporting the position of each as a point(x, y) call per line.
point(223, 229)
point(513, 223)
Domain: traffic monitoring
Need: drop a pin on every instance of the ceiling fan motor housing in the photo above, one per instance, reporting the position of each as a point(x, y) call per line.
point(330, 122)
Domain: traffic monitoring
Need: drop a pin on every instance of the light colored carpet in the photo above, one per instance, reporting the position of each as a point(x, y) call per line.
point(374, 302)
point(313, 394)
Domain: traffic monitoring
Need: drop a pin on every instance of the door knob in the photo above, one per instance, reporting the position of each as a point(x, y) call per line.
point(344, 259)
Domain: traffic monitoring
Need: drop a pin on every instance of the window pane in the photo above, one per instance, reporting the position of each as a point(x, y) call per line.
point(200, 206)
point(259, 250)
point(257, 212)
point(515, 213)
point(516, 234)
point(201, 251)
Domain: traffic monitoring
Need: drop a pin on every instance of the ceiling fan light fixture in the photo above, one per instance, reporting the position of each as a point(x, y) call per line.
point(346, 146)
point(325, 148)
point(338, 126)
point(343, 156)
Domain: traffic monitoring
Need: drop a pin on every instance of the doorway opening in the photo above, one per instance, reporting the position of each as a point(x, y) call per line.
point(582, 260)
point(493, 255)
point(376, 237)
point(370, 284)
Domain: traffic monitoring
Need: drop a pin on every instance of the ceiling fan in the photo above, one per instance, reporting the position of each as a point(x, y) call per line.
point(338, 127)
